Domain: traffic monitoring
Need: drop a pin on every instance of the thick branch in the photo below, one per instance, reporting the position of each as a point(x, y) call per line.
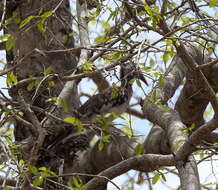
point(150, 162)
point(169, 120)
point(196, 137)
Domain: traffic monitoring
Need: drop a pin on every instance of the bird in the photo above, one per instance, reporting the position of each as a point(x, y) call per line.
point(67, 142)
point(114, 100)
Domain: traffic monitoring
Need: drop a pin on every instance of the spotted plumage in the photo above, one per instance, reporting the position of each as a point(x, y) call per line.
point(107, 102)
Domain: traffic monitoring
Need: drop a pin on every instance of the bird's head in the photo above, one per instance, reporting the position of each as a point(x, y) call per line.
point(129, 71)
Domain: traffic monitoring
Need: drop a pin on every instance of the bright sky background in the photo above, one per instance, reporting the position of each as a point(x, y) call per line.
point(142, 127)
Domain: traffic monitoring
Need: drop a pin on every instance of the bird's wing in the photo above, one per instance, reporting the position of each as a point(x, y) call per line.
point(102, 103)
point(93, 105)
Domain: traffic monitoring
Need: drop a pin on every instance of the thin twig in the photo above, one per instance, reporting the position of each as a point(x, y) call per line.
point(88, 175)
point(3, 14)
point(207, 64)
point(6, 176)
point(19, 63)
point(59, 4)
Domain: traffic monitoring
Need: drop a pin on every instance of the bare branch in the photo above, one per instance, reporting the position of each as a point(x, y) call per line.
point(3, 14)
point(149, 162)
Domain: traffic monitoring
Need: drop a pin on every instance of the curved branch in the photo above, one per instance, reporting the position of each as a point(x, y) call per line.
point(150, 162)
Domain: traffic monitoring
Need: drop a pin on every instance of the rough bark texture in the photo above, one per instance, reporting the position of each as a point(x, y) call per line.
point(46, 140)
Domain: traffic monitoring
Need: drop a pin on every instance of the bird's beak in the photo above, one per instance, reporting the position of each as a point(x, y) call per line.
point(140, 76)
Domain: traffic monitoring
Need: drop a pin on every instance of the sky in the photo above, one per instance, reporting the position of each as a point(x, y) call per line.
point(206, 171)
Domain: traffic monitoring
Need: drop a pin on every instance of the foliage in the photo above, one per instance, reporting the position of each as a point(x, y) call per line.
point(50, 50)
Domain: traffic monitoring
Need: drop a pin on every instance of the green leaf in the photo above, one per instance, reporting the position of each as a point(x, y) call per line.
point(4, 37)
point(107, 115)
point(47, 71)
point(201, 153)
point(27, 20)
point(139, 149)
point(101, 39)
point(187, 20)
point(43, 169)
point(161, 81)
point(10, 43)
point(16, 17)
point(193, 126)
point(51, 83)
point(166, 57)
point(53, 99)
point(169, 42)
point(11, 79)
point(146, 69)
point(153, 96)
point(147, 8)
point(74, 121)
point(32, 85)
point(106, 138)
point(33, 170)
point(47, 14)
point(100, 145)
point(87, 66)
point(6, 188)
point(156, 10)
point(190, 128)
point(40, 11)
point(62, 103)
point(104, 124)
point(65, 38)
point(41, 26)
point(115, 90)
point(141, 13)
point(172, 52)
point(152, 63)
point(22, 163)
point(77, 183)
point(155, 178)
point(46, 172)
point(3, 167)
point(138, 83)
point(113, 13)
point(213, 3)
point(132, 81)
point(164, 107)
point(106, 26)
point(38, 181)
point(116, 56)
point(114, 115)
point(93, 21)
